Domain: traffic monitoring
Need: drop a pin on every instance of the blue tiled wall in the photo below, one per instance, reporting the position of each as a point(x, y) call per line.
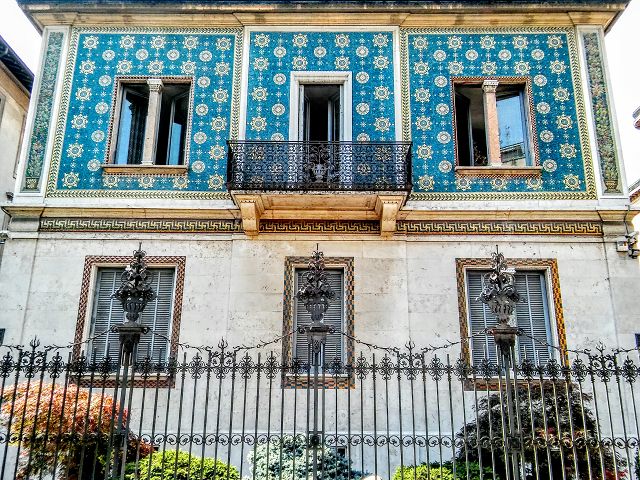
point(542, 57)
point(208, 59)
point(274, 55)
point(432, 57)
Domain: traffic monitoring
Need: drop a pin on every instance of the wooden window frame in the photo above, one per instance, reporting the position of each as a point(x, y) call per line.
point(120, 82)
point(490, 170)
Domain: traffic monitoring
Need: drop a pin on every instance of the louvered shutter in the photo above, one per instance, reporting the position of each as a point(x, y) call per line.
point(480, 318)
point(532, 315)
point(334, 347)
point(108, 312)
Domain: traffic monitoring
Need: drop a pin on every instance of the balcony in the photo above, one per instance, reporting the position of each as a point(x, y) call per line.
point(319, 180)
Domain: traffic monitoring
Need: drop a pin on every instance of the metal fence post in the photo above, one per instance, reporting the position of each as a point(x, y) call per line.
point(134, 293)
point(315, 292)
point(500, 295)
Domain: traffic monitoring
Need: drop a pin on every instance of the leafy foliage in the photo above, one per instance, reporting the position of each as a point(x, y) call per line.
point(435, 471)
point(547, 417)
point(180, 466)
point(66, 430)
point(423, 472)
point(292, 458)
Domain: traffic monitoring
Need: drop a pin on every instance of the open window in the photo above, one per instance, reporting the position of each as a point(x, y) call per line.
point(151, 123)
point(320, 118)
point(492, 124)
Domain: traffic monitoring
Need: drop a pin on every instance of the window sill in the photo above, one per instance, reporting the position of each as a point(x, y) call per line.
point(145, 169)
point(499, 171)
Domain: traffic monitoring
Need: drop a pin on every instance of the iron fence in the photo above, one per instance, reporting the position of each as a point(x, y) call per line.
point(394, 413)
point(319, 166)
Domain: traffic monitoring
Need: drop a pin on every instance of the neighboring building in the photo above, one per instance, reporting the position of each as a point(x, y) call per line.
point(16, 81)
point(406, 139)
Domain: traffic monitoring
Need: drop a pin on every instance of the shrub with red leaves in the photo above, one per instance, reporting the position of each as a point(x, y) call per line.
point(63, 431)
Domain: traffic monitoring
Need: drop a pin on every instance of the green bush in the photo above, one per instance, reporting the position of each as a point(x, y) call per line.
point(422, 472)
point(443, 472)
point(296, 461)
point(181, 466)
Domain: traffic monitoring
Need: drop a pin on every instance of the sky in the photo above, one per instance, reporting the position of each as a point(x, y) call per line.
point(621, 41)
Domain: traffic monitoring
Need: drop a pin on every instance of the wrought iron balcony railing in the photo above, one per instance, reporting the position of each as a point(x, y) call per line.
point(319, 166)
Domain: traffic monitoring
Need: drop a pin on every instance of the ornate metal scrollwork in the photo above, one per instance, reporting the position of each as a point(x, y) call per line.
point(319, 166)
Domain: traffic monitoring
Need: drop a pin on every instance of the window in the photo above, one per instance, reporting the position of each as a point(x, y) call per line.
point(152, 120)
point(532, 315)
point(320, 116)
point(107, 312)
point(320, 106)
point(492, 124)
point(334, 316)
point(340, 315)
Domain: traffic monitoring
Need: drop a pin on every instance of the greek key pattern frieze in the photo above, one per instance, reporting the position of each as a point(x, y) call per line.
point(320, 226)
point(512, 227)
point(138, 225)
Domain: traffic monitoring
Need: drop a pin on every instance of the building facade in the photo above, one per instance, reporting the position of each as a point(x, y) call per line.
point(405, 141)
point(16, 81)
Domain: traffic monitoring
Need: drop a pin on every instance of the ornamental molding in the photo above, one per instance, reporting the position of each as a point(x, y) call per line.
point(338, 227)
point(606, 145)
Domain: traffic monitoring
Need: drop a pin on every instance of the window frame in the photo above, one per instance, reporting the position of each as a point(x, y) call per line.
point(291, 264)
point(532, 146)
point(294, 318)
point(87, 296)
point(547, 266)
point(300, 78)
point(120, 85)
point(93, 305)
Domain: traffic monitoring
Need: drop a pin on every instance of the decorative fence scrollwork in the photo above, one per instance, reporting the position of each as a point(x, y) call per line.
point(319, 166)
point(390, 410)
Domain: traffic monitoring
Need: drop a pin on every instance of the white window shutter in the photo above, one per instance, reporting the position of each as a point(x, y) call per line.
point(334, 316)
point(108, 312)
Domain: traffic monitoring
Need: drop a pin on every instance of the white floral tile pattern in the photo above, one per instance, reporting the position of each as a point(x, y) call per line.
point(205, 58)
point(434, 57)
point(368, 55)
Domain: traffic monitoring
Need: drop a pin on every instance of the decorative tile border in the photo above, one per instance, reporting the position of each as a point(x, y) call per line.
point(320, 226)
point(354, 227)
point(75, 169)
point(606, 144)
point(42, 118)
point(93, 261)
point(146, 225)
point(511, 227)
point(545, 54)
point(549, 264)
point(290, 265)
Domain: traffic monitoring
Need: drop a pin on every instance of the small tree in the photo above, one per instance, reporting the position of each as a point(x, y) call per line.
point(551, 448)
point(180, 466)
point(61, 429)
point(291, 459)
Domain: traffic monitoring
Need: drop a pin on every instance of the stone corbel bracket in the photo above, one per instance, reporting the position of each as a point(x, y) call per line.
point(251, 209)
point(387, 208)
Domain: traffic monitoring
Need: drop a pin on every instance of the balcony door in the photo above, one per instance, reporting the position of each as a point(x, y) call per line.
point(320, 115)
point(319, 126)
